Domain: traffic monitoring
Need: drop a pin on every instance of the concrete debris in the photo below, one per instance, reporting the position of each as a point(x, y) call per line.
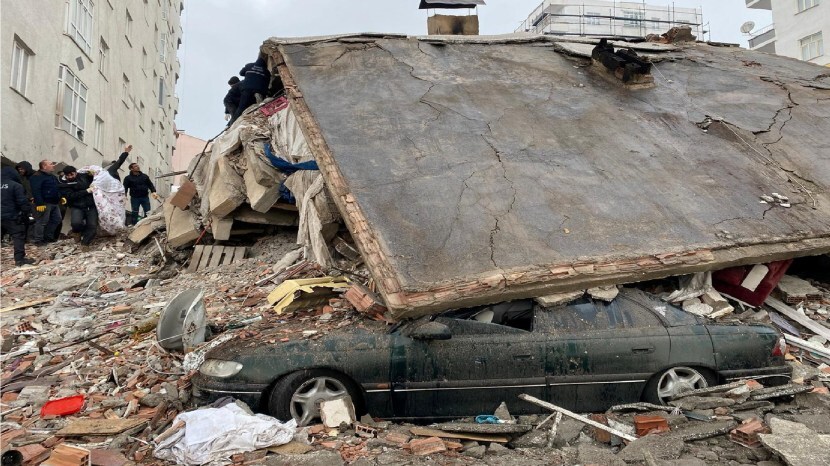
point(796, 444)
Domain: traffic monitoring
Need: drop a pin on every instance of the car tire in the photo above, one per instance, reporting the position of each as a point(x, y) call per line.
point(297, 395)
point(676, 380)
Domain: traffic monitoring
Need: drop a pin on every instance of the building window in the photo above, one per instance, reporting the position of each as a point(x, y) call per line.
point(160, 135)
point(141, 115)
point(103, 57)
point(592, 18)
point(806, 4)
point(71, 112)
point(21, 56)
point(98, 141)
point(129, 30)
point(144, 60)
point(125, 95)
point(163, 47)
point(632, 18)
point(812, 46)
point(80, 23)
point(121, 145)
point(162, 92)
point(153, 132)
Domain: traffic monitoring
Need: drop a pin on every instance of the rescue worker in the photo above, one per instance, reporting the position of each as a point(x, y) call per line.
point(75, 189)
point(15, 209)
point(46, 197)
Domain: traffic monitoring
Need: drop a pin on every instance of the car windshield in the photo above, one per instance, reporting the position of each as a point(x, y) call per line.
point(673, 315)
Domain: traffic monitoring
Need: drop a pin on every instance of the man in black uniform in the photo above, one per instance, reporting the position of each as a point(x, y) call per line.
point(14, 213)
point(75, 188)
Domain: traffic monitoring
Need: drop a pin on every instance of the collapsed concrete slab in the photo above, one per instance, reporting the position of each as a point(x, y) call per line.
point(182, 225)
point(475, 171)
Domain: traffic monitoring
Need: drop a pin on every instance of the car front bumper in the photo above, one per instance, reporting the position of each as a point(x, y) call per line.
point(767, 376)
point(206, 390)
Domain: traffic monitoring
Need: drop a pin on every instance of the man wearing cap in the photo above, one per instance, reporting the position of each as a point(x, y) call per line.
point(46, 197)
point(75, 188)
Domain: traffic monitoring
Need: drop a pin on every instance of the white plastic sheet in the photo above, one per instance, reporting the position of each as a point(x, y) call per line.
point(212, 435)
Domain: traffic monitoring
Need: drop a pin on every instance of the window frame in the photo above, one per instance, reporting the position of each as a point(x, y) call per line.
point(593, 18)
point(80, 22)
point(103, 57)
point(125, 87)
point(20, 73)
point(98, 136)
point(805, 43)
point(804, 5)
point(633, 18)
point(72, 120)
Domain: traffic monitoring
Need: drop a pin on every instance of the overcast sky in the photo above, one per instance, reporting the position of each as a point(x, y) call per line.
point(222, 35)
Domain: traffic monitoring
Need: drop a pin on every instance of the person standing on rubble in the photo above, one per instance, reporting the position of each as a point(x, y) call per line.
point(14, 213)
point(257, 79)
point(115, 165)
point(231, 100)
point(76, 189)
point(140, 188)
point(46, 197)
point(25, 170)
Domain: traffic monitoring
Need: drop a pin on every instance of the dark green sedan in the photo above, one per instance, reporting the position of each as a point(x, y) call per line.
point(585, 356)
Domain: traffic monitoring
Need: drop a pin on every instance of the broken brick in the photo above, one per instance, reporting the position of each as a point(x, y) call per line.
point(426, 446)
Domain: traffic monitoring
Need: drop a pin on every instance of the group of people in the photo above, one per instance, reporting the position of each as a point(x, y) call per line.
point(242, 93)
point(93, 195)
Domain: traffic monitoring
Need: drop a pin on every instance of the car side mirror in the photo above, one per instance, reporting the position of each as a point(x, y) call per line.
point(431, 331)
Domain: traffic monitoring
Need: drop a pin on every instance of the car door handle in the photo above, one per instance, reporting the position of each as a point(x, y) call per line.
point(522, 357)
point(643, 350)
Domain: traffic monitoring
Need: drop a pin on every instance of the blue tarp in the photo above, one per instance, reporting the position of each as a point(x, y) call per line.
point(288, 168)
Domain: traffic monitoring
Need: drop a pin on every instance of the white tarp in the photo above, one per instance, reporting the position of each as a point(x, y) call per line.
point(212, 435)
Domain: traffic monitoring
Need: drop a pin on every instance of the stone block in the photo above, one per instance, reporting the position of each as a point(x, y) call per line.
point(227, 189)
point(221, 228)
point(185, 194)
point(182, 226)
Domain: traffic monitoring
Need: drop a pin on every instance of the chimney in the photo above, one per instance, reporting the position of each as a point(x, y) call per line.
point(451, 24)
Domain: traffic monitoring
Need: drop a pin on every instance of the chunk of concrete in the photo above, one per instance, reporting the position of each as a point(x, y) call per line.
point(59, 284)
point(227, 189)
point(260, 197)
point(658, 446)
point(314, 458)
point(182, 226)
point(691, 403)
point(337, 411)
point(146, 227)
point(221, 228)
point(185, 194)
point(797, 444)
point(273, 217)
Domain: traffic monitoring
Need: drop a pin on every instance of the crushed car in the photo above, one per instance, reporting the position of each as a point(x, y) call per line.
point(586, 356)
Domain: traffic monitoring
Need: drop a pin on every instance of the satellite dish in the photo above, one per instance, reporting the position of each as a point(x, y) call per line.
point(747, 27)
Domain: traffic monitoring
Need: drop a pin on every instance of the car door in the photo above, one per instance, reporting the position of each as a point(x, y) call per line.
point(480, 366)
point(600, 354)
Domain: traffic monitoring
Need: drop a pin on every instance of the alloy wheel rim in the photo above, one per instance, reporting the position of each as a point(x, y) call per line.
point(678, 380)
point(305, 402)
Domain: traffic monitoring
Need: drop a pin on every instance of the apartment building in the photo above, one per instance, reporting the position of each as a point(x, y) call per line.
point(82, 78)
point(609, 18)
point(799, 29)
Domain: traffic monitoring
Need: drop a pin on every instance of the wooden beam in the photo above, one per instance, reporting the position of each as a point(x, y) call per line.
point(26, 304)
point(805, 321)
point(579, 418)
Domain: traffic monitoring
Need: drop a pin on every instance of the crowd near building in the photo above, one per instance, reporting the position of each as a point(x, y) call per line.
point(86, 78)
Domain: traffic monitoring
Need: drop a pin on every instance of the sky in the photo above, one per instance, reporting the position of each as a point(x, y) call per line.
point(220, 36)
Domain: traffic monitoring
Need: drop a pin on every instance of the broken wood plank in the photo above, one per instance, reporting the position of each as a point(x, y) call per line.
point(26, 304)
point(805, 321)
point(239, 254)
point(195, 258)
point(579, 418)
point(216, 255)
point(80, 427)
point(205, 260)
point(427, 432)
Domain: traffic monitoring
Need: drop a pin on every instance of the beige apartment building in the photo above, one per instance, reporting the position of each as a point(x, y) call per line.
point(799, 29)
point(82, 78)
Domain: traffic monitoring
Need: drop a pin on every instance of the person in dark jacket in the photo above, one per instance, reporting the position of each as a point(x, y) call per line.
point(231, 100)
point(75, 188)
point(257, 79)
point(25, 170)
point(46, 197)
point(140, 188)
point(115, 165)
point(14, 213)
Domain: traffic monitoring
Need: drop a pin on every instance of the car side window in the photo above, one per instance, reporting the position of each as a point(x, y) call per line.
point(672, 314)
point(633, 315)
point(474, 327)
point(577, 317)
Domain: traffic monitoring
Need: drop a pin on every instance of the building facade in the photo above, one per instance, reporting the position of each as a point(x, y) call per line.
point(83, 78)
point(799, 29)
point(609, 18)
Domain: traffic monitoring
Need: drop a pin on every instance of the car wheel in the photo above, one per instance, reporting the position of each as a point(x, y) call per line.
point(298, 395)
point(674, 381)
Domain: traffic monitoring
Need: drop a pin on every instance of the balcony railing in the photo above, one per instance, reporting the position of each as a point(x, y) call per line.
point(763, 35)
point(759, 4)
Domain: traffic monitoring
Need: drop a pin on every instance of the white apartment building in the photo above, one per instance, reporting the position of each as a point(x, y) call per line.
point(82, 78)
point(609, 18)
point(799, 29)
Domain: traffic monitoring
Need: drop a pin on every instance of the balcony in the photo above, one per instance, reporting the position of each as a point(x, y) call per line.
point(763, 40)
point(759, 4)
